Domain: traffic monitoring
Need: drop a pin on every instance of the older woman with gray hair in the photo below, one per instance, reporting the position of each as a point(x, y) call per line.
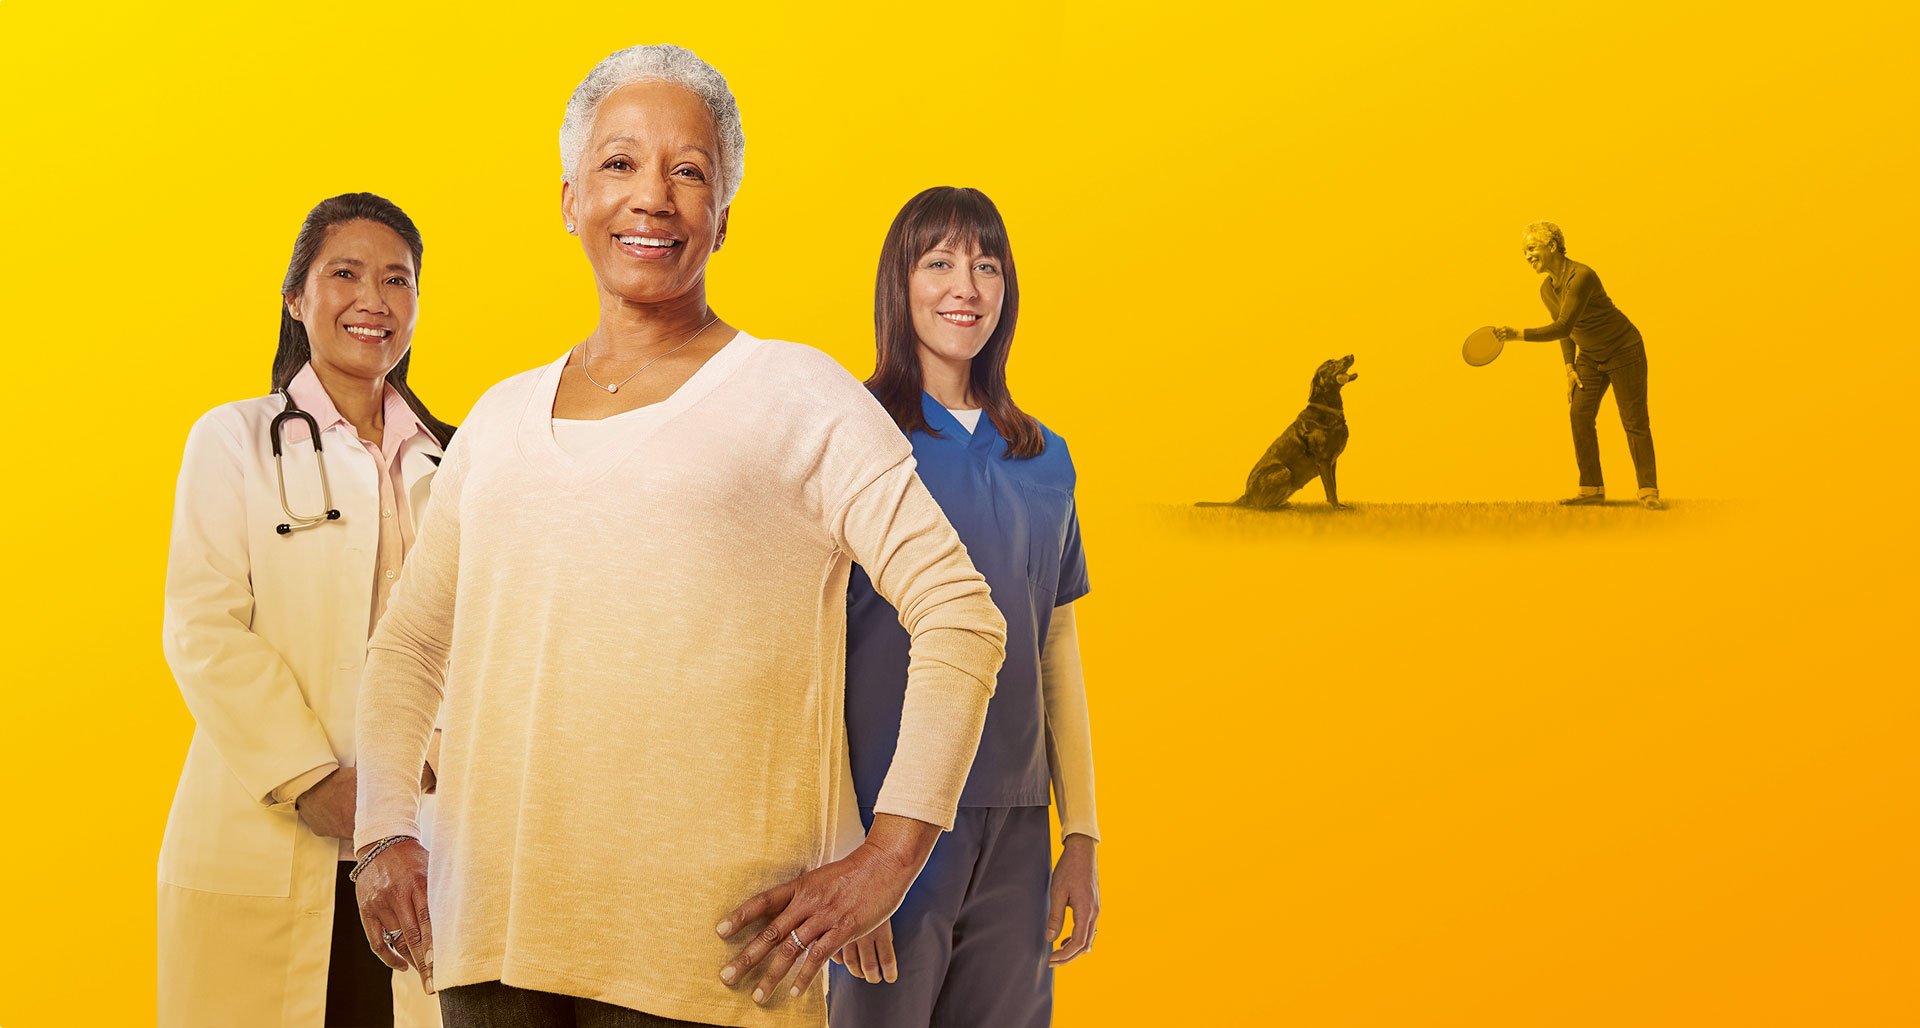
point(1601, 349)
point(627, 607)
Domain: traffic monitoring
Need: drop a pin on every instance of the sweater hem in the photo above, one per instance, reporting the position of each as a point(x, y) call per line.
point(807, 1009)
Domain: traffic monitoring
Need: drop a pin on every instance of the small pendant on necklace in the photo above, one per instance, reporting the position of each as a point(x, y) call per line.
point(613, 389)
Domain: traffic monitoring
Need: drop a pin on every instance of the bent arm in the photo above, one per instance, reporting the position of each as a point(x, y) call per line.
point(240, 690)
point(1069, 730)
point(406, 668)
point(893, 528)
point(1573, 303)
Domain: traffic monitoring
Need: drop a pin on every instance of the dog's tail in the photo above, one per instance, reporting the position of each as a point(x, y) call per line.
point(1241, 502)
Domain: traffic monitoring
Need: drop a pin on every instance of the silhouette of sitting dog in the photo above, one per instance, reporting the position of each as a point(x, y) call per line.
point(1310, 447)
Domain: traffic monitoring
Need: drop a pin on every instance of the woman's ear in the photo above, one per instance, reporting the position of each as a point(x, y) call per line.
point(292, 301)
point(721, 236)
point(566, 204)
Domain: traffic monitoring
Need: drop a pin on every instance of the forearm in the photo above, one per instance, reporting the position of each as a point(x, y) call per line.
point(1573, 303)
point(944, 711)
point(917, 563)
point(1069, 728)
point(405, 680)
point(393, 724)
point(247, 701)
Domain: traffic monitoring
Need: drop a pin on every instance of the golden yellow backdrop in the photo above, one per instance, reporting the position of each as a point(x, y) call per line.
point(1451, 766)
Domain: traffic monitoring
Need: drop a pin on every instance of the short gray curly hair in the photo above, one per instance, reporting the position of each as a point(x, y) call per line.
point(1551, 231)
point(664, 63)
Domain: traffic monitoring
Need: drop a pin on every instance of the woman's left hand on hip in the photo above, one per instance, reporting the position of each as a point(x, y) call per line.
point(811, 917)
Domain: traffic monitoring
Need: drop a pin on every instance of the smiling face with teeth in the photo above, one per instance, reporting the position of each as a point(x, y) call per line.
point(646, 198)
point(358, 302)
point(1543, 254)
point(955, 293)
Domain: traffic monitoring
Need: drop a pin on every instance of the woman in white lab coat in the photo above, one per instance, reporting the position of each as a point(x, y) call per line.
point(278, 569)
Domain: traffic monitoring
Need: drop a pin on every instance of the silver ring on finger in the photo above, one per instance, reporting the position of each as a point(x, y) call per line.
point(391, 936)
point(795, 936)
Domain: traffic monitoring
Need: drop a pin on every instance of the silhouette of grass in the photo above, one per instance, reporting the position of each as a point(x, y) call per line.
point(1377, 521)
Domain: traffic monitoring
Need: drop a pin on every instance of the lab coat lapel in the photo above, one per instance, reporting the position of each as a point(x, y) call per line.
point(417, 465)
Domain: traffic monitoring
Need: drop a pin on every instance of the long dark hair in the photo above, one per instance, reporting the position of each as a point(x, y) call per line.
point(295, 350)
point(940, 215)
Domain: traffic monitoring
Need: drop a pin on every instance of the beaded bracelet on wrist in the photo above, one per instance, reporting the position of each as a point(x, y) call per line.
point(378, 847)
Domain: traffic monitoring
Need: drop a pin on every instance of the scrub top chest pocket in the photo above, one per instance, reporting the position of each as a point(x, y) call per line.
point(1047, 511)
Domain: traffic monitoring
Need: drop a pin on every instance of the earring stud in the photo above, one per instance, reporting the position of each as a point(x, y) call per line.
point(569, 228)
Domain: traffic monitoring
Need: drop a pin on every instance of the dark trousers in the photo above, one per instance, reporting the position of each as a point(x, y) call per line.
point(359, 986)
point(493, 1005)
point(1630, 395)
point(971, 936)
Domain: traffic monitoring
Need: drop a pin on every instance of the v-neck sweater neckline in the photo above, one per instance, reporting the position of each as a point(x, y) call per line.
point(536, 440)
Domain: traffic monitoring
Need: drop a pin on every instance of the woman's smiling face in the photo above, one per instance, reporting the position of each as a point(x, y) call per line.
point(646, 198)
point(955, 293)
point(358, 302)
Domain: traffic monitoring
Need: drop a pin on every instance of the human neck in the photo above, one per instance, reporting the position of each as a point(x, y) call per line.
point(949, 383)
point(630, 331)
point(362, 401)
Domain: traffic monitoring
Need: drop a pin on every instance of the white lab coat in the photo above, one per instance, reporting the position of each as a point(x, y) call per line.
point(266, 635)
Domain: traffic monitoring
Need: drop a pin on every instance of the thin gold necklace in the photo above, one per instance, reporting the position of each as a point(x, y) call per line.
point(587, 355)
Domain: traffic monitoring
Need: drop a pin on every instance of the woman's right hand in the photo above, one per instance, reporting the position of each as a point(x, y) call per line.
point(1573, 382)
point(871, 956)
point(392, 892)
point(328, 807)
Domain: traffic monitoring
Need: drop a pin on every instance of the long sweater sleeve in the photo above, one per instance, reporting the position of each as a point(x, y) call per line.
point(406, 668)
point(1069, 729)
point(240, 690)
point(893, 528)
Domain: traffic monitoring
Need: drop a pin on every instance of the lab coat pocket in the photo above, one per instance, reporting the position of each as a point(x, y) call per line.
point(219, 839)
point(1047, 511)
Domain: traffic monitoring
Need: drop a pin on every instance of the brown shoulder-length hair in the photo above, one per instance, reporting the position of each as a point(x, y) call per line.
point(945, 214)
point(295, 349)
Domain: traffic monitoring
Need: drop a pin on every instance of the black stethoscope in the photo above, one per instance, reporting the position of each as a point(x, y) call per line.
point(295, 521)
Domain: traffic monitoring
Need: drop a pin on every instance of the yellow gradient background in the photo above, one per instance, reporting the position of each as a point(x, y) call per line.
point(1453, 766)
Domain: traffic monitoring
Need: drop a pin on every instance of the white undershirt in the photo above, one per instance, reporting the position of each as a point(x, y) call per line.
point(583, 438)
point(969, 419)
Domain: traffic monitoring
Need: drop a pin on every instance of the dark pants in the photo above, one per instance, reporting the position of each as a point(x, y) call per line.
point(493, 1005)
point(1630, 395)
point(359, 986)
point(971, 936)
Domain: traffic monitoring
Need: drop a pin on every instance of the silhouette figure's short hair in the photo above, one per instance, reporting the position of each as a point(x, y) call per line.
point(1550, 230)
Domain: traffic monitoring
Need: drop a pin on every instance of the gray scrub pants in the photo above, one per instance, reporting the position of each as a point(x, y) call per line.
point(971, 936)
point(1630, 394)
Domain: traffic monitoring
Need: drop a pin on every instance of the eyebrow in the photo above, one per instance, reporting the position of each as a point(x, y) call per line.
point(361, 264)
point(701, 150)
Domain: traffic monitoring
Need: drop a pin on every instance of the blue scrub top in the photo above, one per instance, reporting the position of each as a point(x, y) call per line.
point(1017, 520)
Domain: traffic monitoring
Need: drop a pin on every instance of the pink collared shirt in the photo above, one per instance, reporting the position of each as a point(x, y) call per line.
point(396, 528)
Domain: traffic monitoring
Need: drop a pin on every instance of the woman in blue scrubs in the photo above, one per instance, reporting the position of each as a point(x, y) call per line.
point(973, 943)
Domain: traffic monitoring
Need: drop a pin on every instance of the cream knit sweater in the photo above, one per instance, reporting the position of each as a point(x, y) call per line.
point(640, 655)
